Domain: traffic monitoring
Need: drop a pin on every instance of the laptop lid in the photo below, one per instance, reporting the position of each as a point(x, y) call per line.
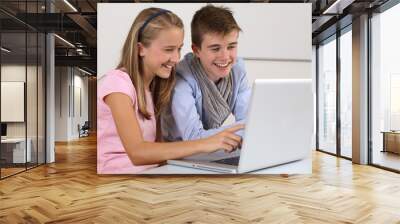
point(279, 128)
point(280, 123)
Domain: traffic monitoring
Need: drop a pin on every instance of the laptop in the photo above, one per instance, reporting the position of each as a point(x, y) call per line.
point(279, 129)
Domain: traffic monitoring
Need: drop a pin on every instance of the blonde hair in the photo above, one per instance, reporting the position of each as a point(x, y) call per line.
point(132, 63)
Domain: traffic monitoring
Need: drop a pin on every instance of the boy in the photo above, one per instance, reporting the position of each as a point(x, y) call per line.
point(211, 82)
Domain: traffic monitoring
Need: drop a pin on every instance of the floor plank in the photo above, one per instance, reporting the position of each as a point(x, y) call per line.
point(70, 191)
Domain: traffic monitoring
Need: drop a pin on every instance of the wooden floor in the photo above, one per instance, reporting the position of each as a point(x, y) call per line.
point(70, 191)
point(387, 159)
point(5, 172)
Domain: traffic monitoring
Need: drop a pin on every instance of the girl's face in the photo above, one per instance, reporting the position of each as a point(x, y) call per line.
point(163, 53)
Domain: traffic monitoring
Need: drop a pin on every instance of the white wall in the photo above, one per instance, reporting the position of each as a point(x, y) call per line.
point(33, 127)
point(62, 81)
point(279, 46)
point(70, 84)
point(277, 69)
point(12, 101)
point(16, 73)
point(80, 110)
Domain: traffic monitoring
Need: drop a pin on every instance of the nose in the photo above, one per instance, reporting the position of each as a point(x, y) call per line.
point(175, 56)
point(224, 54)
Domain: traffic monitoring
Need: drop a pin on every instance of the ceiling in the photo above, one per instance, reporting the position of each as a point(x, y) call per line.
point(76, 21)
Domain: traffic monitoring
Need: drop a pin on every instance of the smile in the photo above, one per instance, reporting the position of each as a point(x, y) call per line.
point(167, 66)
point(222, 65)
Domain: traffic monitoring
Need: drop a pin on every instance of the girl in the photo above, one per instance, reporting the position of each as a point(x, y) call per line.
point(132, 97)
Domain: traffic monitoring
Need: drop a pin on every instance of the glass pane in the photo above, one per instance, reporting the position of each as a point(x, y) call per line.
point(386, 89)
point(13, 85)
point(32, 70)
point(327, 97)
point(31, 98)
point(346, 94)
point(23, 82)
point(41, 98)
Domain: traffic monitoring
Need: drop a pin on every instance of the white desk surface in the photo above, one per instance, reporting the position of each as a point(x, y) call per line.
point(303, 166)
point(13, 140)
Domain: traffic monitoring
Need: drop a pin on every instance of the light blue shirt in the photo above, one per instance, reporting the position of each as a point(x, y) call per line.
point(183, 119)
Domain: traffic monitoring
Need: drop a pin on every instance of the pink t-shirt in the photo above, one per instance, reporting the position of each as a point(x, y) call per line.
point(111, 155)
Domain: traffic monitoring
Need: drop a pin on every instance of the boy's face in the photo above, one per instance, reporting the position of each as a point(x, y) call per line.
point(217, 53)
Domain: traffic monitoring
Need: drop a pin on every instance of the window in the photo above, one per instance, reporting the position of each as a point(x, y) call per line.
point(385, 89)
point(346, 93)
point(327, 97)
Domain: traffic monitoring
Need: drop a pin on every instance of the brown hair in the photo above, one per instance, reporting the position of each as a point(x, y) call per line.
point(212, 19)
point(132, 63)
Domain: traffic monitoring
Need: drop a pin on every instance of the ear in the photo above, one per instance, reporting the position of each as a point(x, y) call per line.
point(196, 50)
point(141, 49)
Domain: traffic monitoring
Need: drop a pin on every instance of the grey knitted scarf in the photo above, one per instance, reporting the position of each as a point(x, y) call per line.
point(216, 96)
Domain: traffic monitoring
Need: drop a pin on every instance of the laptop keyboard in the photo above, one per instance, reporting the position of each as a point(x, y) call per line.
point(229, 161)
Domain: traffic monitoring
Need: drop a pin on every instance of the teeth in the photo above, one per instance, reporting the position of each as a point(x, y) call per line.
point(222, 65)
point(168, 66)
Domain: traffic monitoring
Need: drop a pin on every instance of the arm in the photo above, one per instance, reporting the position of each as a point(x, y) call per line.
point(141, 152)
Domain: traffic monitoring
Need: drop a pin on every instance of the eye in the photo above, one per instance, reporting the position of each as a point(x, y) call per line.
point(215, 49)
point(232, 47)
point(169, 49)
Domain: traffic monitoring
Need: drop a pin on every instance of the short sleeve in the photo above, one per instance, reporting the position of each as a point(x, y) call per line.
point(116, 82)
